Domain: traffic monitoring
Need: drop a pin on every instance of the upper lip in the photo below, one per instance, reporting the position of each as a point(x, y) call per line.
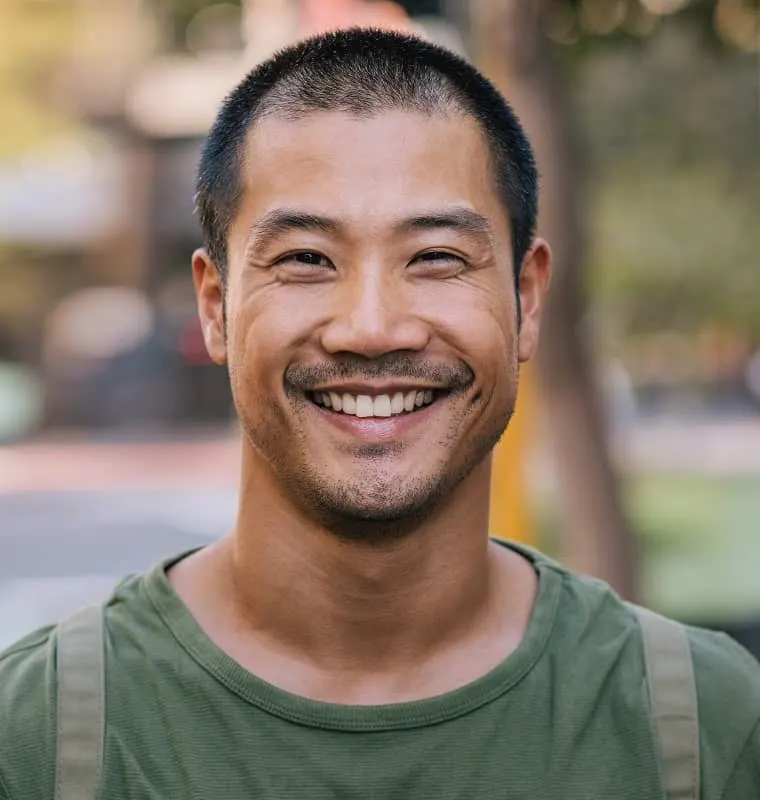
point(375, 388)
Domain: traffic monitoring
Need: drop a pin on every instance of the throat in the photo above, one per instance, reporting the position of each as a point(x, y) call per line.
point(354, 607)
point(360, 644)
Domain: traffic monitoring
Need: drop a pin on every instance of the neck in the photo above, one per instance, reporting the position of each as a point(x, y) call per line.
point(366, 602)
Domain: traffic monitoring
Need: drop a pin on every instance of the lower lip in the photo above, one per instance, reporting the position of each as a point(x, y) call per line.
point(377, 429)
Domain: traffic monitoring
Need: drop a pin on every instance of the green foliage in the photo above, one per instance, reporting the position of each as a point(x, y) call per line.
point(588, 24)
point(700, 544)
point(671, 129)
point(676, 250)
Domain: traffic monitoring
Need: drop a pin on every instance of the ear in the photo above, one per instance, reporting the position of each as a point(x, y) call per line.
point(209, 292)
point(535, 275)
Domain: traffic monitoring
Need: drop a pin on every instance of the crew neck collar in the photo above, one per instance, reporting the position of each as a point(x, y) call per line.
point(417, 713)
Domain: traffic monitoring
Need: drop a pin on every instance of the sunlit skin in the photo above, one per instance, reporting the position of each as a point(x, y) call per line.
point(368, 256)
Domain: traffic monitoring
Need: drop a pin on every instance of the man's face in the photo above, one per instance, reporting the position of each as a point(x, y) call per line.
point(372, 336)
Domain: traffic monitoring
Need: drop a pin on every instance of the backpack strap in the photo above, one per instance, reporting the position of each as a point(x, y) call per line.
point(80, 705)
point(673, 700)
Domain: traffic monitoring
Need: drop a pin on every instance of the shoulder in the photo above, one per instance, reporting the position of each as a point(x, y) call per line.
point(27, 716)
point(728, 692)
point(28, 698)
point(727, 676)
point(590, 610)
point(725, 672)
point(727, 681)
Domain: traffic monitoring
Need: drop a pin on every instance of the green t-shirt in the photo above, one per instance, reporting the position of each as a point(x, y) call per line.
point(566, 716)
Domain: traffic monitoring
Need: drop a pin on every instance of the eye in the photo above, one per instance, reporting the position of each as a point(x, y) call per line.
point(305, 264)
point(438, 263)
point(307, 258)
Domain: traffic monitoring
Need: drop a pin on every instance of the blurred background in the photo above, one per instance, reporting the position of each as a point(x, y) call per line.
point(635, 452)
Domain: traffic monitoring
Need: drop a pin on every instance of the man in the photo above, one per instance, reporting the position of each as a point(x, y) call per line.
point(372, 280)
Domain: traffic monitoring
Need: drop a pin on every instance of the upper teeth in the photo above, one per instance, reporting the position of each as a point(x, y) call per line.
point(384, 405)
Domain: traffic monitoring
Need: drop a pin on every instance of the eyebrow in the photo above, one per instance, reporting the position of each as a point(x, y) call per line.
point(462, 220)
point(283, 220)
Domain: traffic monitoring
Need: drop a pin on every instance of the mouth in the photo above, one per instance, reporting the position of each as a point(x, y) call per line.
point(366, 406)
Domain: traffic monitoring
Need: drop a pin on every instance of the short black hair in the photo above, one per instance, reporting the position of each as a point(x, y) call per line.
point(363, 72)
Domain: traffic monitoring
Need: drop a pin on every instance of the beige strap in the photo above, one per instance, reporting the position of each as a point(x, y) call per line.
point(81, 703)
point(673, 700)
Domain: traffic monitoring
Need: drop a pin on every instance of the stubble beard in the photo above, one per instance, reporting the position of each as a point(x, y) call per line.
point(372, 509)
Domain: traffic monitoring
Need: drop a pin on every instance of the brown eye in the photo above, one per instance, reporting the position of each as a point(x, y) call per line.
point(438, 263)
point(304, 266)
point(307, 258)
point(438, 255)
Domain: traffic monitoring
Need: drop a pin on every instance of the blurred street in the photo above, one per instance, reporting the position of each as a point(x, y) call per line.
point(710, 447)
point(77, 517)
point(59, 464)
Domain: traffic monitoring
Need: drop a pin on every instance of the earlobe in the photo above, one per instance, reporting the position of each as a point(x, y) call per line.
point(209, 293)
point(534, 284)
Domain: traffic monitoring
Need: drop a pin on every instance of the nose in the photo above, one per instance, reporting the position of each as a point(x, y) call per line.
point(374, 314)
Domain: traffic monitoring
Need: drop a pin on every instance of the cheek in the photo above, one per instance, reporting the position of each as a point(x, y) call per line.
point(264, 334)
point(480, 322)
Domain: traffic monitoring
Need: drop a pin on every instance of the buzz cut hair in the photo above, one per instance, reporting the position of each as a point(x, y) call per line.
point(362, 73)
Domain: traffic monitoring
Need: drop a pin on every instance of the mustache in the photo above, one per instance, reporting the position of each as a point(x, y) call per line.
point(306, 377)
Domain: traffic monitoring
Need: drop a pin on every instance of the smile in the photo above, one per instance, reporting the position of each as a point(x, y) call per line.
point(383, 405)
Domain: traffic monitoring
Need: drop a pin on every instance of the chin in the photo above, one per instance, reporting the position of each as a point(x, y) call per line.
point(376, 514)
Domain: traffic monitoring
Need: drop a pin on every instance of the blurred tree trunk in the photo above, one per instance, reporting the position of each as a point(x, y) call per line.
point(512, 50)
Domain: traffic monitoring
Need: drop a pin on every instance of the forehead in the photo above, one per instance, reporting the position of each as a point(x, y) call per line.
point(373, 167)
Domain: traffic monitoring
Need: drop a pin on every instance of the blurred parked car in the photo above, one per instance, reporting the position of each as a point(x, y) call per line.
point(113, 360)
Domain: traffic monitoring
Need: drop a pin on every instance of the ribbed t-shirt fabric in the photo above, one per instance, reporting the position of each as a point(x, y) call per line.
point(565, 716)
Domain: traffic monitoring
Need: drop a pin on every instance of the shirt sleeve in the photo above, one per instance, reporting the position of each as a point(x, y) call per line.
point(4, 793)
point(744, 780)
point(27, 719)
